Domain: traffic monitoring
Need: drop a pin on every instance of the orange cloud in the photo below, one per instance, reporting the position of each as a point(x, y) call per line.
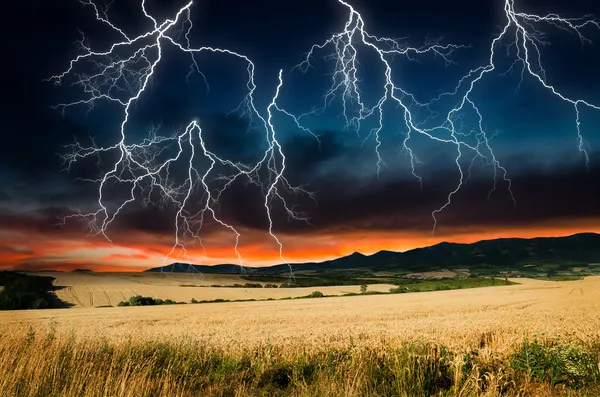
point(125, 257)
point(37, 251)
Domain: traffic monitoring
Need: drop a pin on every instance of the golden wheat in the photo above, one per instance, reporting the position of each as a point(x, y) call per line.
point(108, 289)
point(494, 316)
point(349, 341)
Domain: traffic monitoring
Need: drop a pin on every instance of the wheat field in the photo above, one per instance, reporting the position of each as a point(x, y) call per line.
point(456, 318)
point(90, 289)
point(470, 342)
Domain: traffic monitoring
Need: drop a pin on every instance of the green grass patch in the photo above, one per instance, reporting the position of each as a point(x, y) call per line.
point(562, 278)
point(566, 364)
point(408, 285)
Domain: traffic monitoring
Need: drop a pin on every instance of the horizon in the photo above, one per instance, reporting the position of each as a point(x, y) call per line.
point(124, 269)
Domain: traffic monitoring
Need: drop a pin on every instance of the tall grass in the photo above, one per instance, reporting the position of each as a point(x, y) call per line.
point(36, 365)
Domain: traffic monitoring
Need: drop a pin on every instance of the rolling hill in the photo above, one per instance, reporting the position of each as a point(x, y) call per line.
point(547, 255)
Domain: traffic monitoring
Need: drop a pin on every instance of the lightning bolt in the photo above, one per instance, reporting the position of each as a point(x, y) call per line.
point(348, 46)
point(121, 75)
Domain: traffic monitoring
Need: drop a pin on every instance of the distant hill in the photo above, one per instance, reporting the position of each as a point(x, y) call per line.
point(81, 271)
point(550, 254)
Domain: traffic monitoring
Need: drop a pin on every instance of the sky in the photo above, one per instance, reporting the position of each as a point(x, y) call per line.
point(356, 202)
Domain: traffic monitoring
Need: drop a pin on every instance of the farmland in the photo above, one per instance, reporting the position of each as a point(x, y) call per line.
point(488, 325)
point(91, 289)
point(534, 306)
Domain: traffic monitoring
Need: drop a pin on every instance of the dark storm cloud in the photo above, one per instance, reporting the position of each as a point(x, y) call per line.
point(562, 192)
point(43, 221)
point(555, 194)
point(153, 220)
point(233, 137)
point(3, 195)
point(33, 133)
point(305, 153)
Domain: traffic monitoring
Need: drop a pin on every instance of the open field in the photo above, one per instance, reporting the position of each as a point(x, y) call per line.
point(469, 342)
point(89, 289)
point(455, 318)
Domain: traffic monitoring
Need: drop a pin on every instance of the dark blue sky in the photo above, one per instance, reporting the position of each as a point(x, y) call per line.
point(534, 132)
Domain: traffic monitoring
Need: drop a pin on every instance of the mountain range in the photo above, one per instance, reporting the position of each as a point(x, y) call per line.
point(551, 254)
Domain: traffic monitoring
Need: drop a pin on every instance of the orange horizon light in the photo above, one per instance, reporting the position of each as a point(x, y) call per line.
point(66, 255)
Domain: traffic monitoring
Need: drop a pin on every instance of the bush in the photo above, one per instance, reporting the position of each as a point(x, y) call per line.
point(399, 290)
point(139, 300)
point(315, 294)
point(25, 292)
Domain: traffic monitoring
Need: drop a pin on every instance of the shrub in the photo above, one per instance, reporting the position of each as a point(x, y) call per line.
point(565, 364)
point(252, 285)
point(139, 300)
point(363, 288)
point(25, 292)
point(315, 294)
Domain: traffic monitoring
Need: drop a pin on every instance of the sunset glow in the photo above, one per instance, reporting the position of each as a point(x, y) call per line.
point(147, 251)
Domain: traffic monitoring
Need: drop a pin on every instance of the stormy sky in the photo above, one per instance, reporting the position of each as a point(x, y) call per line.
point(353, 207)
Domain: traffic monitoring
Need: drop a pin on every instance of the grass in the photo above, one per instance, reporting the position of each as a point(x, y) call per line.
point(246, 285)
point(406, 285)
point(40, 365)
point(562, 364)
point(562, 278)
point(314, 294)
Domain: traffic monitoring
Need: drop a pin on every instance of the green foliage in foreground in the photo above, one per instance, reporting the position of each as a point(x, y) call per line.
point(195, 369)
point(139, 300)
point(567, 364)
point(22, 291)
